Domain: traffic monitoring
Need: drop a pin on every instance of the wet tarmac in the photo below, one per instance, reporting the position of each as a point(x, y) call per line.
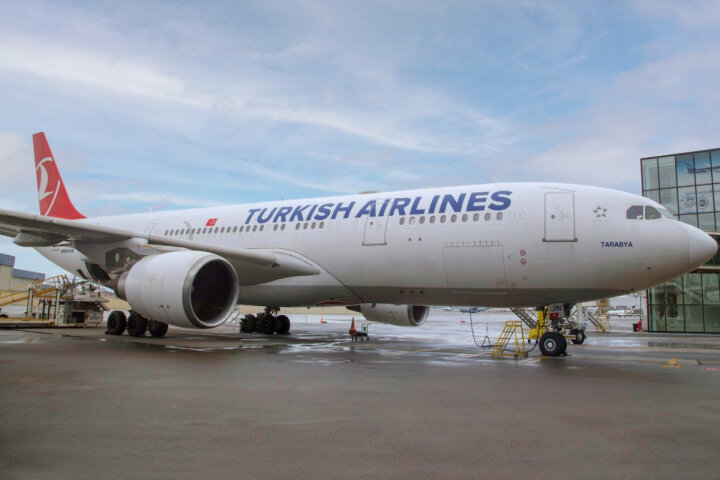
point(412, 403)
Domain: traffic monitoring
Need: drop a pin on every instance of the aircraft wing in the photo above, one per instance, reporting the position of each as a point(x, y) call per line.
point(40, 231)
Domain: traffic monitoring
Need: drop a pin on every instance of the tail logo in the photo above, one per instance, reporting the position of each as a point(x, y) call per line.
point(43, 192)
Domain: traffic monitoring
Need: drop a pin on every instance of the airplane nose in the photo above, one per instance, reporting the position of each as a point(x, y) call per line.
point(701, 247)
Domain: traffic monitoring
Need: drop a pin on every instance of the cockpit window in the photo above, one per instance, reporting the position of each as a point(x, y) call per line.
point(651, 213)
point(635, 212)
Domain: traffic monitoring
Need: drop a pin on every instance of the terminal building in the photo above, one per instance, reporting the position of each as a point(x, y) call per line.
point(12, 278)
point(687, 184)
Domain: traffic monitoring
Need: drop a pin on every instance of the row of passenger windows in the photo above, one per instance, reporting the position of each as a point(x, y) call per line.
point(319, 225)
point(240, 229)
point(650, 213)
point(453, 218)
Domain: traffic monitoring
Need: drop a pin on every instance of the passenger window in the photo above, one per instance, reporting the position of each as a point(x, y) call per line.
point(476, 217)
point(464, 217)
point(402, 221)
point(297, 226)
point(222, 230)
point(262, 227)
point(312, 225)
point(499, 216)
point(282, 227)
point(635, 212)
point(453, 219)
point(422, 220)
point(432, 219)
point(322, 225)
point(411, 221)
point(442, 218)
point(488, 216)
point(275, 227)
point(192, 232)
point(651, 213)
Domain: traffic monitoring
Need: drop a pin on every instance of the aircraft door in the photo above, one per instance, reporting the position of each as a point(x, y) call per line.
point(375, 228)
point(560, 217)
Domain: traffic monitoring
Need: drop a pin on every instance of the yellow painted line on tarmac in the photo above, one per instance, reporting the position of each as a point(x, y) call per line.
point(672, 363)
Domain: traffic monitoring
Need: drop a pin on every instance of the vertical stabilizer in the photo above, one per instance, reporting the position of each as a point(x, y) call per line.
point(54, 199)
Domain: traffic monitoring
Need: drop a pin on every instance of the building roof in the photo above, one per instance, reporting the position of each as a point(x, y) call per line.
point(7, 260)
point(27, 275)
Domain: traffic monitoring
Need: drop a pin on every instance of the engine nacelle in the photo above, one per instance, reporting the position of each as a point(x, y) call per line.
point(400, 315)
point(185, 289)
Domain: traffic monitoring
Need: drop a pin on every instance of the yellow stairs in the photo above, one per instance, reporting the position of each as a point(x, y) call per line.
point(510, 333)
point(39, 287)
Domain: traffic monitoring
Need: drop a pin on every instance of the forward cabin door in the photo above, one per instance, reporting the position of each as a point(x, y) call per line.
point(376, 227)
point(559, 217)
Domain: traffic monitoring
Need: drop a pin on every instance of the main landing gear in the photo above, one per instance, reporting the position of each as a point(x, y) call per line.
point(267, 322)
point(136, 325)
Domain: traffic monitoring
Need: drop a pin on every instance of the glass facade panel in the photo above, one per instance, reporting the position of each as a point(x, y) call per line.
point(653, 195)
point(711, 289)
point(704, 198)
point(685, 170)
point(715, 164)
point(657, 318)
point(668, 199)
point(686, 200)
point(694, 318)
point(703, 173)
point(666, 168)
point(693, 289)
point(689, 219)
point(712, 319)
point(706, 221)
point(650, 174)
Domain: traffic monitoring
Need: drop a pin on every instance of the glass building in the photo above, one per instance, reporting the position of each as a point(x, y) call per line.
point(687, 184)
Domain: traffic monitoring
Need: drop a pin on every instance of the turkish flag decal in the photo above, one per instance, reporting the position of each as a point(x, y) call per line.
point(211, 222)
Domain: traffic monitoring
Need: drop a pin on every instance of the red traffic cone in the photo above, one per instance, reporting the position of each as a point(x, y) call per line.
point(352, 327)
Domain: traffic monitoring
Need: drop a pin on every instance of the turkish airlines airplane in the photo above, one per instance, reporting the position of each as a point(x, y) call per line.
point(387, 255)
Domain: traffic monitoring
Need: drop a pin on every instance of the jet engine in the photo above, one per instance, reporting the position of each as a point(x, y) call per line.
point(185, 289)
point(400, 315)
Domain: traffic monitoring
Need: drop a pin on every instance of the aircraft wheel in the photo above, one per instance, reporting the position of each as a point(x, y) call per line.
point(553, 344)
point(116, 323)
point(3, 315)
point(266, 324)
point(157, 329)
point(136, 325)
point(249, 323)
point(579, 338)
point(283, 324)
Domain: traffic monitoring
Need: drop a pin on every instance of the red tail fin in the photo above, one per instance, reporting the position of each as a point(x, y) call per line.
point(54, 199)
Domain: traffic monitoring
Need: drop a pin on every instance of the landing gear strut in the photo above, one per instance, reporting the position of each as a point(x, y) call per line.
point(267, 322)
point(558, 327)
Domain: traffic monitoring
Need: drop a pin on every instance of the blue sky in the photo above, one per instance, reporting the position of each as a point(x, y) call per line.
point(169, 105)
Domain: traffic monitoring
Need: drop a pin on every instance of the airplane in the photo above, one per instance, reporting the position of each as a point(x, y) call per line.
point(387, 255)
point(690, 168)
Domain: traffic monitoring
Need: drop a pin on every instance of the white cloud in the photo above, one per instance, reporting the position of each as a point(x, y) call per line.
point(694, 13)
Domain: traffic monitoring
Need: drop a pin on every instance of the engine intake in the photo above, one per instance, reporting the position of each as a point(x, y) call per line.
point(400, 315)
point(185, 289)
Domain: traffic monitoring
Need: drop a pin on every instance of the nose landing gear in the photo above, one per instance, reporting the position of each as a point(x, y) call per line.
point(555, 321)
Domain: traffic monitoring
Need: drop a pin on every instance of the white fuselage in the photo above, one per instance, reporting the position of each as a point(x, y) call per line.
point(486, 245)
